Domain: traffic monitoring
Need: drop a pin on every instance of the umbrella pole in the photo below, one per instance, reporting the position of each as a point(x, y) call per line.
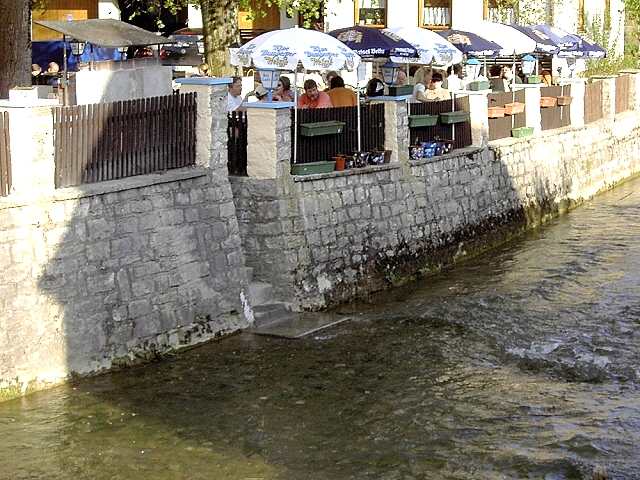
point(359, 122)
point(295, 116)
point(453, 125)
point(65, 82)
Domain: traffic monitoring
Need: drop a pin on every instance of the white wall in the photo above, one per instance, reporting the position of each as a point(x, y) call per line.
point(95, 86)
point(402, 14)
point(195, 17)
point(108, 9)
point(464, 12)
point(340, 14)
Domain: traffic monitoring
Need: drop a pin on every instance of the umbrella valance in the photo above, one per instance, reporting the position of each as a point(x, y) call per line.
point(471, 44)
point(512, 41)
point(105, 32)
point(431, 46)
point(283, 49)
point(370, 43)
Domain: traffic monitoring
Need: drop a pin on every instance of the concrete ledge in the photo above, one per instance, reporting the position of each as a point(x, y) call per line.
point(461, 152)
point(93, 189)
point(204, 81)
point(347, 173)
point(269, 105)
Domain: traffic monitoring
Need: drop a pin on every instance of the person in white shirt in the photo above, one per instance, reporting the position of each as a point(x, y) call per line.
point(453, 82)
point(234, 96)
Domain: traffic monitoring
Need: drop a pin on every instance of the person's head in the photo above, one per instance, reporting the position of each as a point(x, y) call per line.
point(436, 81)
point(235, 89)
point(35, 69)
point(495, 70)
point(457, 70)
point(331, 74)
point(53, 67)
point(546, 77)
point(401, 78)
point(311, 89)
point(261, 93)
point(284, 84)
point(336, 82)
point(422, 75)
point(375, 88)
point(506, 73)
point(203, 69)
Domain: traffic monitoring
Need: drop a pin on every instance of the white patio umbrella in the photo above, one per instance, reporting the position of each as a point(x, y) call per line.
point(286, 49)
point(513, 42)
point(431, 47)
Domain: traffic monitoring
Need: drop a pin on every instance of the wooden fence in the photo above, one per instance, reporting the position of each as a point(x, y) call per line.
point(5, 155)
point(623, 93)
point(558, 116)
point(237, 143)
point(460, 134)
point(501, 127)
point(107, 141)
point(593, 102)
point(323, 148)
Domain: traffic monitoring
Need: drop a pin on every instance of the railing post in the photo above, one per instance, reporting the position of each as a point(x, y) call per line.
point(268, 140)
point(396, 127)
point(479, 113)
point(211, 122)
point(577, 101)
point(32, 150)
point(533, 117)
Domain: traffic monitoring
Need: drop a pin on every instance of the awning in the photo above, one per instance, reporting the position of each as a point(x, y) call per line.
point(105, 33)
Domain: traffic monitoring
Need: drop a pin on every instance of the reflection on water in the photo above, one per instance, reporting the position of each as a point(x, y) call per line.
point(522, 364)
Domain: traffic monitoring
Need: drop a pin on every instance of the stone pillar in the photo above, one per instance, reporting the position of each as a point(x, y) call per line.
point(577, 102)
point(608, 95)
point(269, 140)
point(211, 123)
point(396, 128)
point(634, 92)
point(32, 150)
point(533, 117)
point(479, 113)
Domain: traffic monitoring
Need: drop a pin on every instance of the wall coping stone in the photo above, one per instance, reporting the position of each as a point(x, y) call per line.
point(111, 186)
point(205, 81)
point(460, 152)
point(347, 173)
point(387, 98)
point(269, 105)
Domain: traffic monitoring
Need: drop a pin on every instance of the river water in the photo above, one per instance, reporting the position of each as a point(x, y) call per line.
point(521, 364)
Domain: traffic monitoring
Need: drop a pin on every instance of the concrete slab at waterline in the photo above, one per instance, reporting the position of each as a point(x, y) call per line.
point(298, 325)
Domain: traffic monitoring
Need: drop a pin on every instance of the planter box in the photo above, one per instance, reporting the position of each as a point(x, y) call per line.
point(312, 168)
point(546, 102)
point(401, 90)
point(423, 120)
point(321, 128)
point(496, 112)
point(513, 108)
point(478, 85)
point(563, 101)
point(532, 79)
point(448, 118)
point(521, 132)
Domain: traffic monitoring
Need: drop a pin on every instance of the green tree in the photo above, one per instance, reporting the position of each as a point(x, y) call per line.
point(220, 21)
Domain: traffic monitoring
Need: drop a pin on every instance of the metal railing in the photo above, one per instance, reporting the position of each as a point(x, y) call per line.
point(459, 133)
point(436, 16)
point(237, 143)
point(107, 141)
point(5, 155)
point(593, 102)
point(323, 148)
point(558, 116)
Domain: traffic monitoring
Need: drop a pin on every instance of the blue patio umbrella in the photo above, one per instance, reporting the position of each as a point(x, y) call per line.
point(471, 44)
point(569, 44)
point(546, 41)
point(372, 43)
point(585, 49)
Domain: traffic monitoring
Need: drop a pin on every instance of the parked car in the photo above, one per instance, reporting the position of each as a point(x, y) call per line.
point(188, 49)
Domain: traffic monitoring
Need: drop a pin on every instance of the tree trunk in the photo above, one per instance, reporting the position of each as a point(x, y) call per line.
point(15, 45)
point(220, 30)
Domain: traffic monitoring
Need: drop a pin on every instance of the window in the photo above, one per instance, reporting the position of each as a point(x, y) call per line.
point(500, 11)
point(371, 13)
point(435, 14)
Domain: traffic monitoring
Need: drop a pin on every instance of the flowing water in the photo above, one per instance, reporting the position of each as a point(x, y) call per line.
point(522, 364)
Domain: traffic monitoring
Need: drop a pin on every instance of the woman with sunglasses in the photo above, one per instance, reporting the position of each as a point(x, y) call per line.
point(283, 91)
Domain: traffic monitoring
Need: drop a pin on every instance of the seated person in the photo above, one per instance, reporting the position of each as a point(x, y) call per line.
point(312, 97)
point(261, 93)
point(283, 91)
point(547, 79)
point(36, 73)
point(340, 95)
point(53, 72)
point(401, 78)
point(375, 88)
point(435, 91)
point(328, 77)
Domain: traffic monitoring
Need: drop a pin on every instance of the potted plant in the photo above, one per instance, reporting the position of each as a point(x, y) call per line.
point(521, 132)
point(547, 102)
point(423, 120)
point(312, 168)
point(317, 129)
point(513, 108)
point(448, 118)
point(496, 112)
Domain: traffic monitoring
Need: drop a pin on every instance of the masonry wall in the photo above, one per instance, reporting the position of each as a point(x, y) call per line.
point(359, 231)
